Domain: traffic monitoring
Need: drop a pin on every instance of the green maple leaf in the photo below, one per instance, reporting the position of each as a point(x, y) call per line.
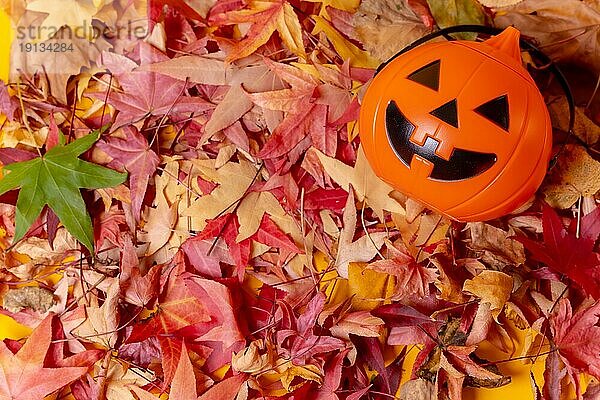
point(54, 180)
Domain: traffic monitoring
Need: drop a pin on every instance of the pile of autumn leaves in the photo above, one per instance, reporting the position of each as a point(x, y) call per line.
point(251, 252)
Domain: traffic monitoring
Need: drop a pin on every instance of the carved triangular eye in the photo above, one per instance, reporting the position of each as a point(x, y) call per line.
point(428, 75)
point(447, 112)
point(496, 110)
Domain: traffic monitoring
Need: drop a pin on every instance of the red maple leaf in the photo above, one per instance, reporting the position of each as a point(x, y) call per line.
point(265, 18)
point(270, 234)
point(566, 254)
point(297, 338)
point(136, 288)
point(310, 109)
point(371, 351)
point(412, 278)
point(24, 376)
point(108, 226)
point(577, 338)
point(227, 227)
point(177, 307)
point(146, 94)
point(132, 154)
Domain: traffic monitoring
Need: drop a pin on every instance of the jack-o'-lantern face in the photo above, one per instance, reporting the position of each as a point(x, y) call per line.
point(460, 126)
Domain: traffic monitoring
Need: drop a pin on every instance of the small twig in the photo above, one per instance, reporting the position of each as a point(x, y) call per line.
point(545, 329)
point(166, 115)
point(185, 125)
point(75, 301)
point(188, 188)
point(589, 102)
point(578, 230)
point(237, 203)
point(362, 220)
point(428, 237)
point(519, 358)
point(102, 375)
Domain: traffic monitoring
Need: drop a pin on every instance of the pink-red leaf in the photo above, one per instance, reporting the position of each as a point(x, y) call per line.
point(23, 375)
point(132, 154)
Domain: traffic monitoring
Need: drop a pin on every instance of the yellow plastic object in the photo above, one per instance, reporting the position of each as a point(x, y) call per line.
point(8, 327)
point(5, 40)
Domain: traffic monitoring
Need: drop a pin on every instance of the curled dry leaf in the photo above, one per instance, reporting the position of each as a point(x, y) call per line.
point(33, 297)
point(497, 247)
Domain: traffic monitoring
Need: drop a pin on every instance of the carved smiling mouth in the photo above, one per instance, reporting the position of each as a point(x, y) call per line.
point(462, 164)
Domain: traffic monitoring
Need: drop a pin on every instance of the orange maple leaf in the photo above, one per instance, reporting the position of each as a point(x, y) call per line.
point(23, 375)
point(266, 17)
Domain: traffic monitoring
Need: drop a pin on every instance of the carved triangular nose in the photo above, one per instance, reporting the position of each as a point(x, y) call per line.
point(447, 112)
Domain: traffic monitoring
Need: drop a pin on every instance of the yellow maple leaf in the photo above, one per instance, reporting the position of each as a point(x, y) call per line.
point(266, 17)
point(13, 133)
point(307, 372)
point(346, 49)
point(368, 288)
point(344, 5)
point(492, 287)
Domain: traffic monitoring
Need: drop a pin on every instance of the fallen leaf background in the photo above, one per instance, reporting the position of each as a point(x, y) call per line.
point(240, 246)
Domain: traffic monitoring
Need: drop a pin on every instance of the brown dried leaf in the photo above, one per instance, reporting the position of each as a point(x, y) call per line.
point(386, 27)
point(450, 288)
point(101, 323)
point(567, 30)
point(496, 247)
point(418, 389)
point(585, 129)
point(576, 174)
point(492, 287)
point(33, 297)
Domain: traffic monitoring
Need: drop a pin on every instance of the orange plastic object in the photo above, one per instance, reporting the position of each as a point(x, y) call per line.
point(460, 126)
